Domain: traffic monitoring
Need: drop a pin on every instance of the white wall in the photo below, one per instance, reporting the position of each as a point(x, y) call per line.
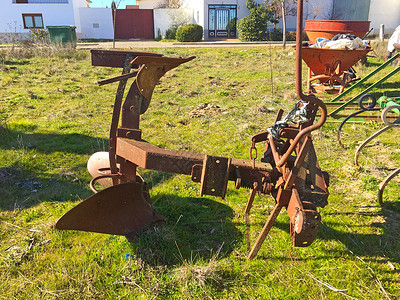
point(312, 10)
point(318, 9)
point(198, 10)
point(163, 18)
point(77, 5)
point(385, 12)
point(50, 12)
point(53, 14)
point(148, 4)
point(100, 16)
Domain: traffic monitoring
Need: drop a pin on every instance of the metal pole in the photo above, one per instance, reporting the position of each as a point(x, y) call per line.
point(382, 33)
point(114, 11)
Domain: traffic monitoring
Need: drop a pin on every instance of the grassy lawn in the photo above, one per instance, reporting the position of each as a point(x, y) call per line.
point(53, 116)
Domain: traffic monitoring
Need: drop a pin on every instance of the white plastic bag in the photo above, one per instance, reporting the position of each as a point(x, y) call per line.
point(341, 43)
point(394, 39)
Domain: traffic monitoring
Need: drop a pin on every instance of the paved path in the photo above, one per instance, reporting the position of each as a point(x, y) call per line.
point(155, 44)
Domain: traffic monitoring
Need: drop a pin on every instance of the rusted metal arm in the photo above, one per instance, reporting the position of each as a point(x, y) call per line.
point(117, 78)
point(264, 232)
point(211, 171)
point(389, 125)
point(300, 94)
point(384, 183)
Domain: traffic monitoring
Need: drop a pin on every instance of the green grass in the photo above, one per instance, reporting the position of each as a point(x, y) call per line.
point(53, 116)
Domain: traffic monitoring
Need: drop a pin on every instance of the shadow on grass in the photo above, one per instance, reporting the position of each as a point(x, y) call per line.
point(194, 229)
point(381, 247)
point(23, 189)
point(383, 243)
point(50, 142)
point(17, 62)
point(26, 181)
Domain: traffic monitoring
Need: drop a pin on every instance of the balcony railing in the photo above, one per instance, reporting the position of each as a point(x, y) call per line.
point(40, 1)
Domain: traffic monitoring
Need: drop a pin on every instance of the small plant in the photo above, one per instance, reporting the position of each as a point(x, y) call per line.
point(159, 35)
point(274, 35)
point(39, 35)
point(222, 93)
point(170, 34)
point(370, 183)
point(291, 36)
point(189, 33)
point(7, 80)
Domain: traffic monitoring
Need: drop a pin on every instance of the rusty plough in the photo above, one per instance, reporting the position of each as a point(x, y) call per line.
point(288, 169)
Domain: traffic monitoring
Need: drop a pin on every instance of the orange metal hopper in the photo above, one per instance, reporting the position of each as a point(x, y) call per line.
point(330, 66)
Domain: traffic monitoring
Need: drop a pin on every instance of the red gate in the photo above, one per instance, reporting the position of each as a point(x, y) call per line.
point(134, 24)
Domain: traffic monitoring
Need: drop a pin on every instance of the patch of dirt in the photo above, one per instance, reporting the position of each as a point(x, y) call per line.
point(205, 109)
point(192, 93)
point(216, 81)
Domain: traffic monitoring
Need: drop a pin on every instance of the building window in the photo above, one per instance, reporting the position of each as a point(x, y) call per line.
point(96, 25)
point(32, 21)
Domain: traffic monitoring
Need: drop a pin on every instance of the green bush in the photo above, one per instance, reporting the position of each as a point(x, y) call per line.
point(252, 28)
point(170, 34)
point(291, 35)
point(189, 33)
point(275, 35)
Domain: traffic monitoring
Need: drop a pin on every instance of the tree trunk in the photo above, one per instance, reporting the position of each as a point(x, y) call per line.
point(284, 24)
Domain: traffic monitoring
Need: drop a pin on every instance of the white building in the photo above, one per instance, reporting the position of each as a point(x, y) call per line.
point(217, 17)
point(18, 17)
point(386, 12)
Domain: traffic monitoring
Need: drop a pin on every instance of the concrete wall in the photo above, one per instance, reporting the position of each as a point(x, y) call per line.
point(318, 9)
point(385, 12)
point(96, 23)
point(198, 10)
point(312, 10)
point(165, 17)
point(351, 10)
point(77, 5)
point(148, 4)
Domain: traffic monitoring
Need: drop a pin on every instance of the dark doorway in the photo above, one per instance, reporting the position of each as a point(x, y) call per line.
point(134, 24)
point(222, 21)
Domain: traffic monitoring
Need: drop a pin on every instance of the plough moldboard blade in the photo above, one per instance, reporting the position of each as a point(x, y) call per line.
point(121, 209)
